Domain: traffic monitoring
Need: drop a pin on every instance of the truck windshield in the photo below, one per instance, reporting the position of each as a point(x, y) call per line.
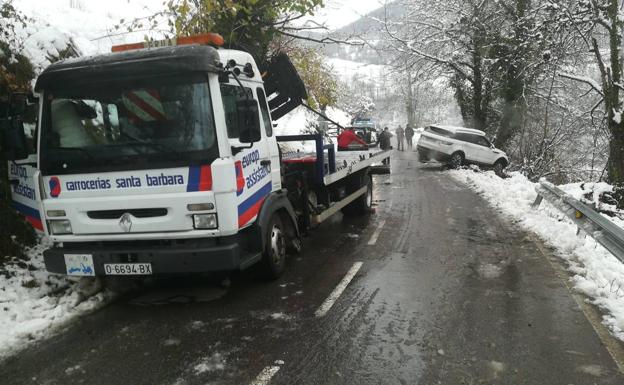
point(154, 123)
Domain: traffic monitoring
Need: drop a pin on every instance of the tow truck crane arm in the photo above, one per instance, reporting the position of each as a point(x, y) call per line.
point(285, 88)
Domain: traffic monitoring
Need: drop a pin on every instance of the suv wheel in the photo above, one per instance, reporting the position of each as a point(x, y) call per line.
point(457, 159)
point(499, 168)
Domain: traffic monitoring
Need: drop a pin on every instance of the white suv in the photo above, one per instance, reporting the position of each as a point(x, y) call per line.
point(457, 145)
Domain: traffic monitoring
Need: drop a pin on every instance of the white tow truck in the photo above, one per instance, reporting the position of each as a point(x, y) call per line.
point(161, 159)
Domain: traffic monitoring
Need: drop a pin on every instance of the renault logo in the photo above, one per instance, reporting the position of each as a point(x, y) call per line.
point(126, 222)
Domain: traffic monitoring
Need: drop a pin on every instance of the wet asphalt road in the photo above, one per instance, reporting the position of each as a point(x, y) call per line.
point(450, 293)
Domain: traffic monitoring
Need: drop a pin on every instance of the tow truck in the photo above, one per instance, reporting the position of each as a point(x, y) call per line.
point(160, 158)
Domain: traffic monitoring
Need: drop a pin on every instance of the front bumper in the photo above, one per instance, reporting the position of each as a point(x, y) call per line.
point(166, 257)
point(425, 154)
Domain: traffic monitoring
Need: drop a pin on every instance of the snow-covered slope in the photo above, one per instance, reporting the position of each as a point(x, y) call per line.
point(89, 24)
point(347, 70)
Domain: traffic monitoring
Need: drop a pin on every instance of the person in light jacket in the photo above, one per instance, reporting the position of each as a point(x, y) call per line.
point(400, 133)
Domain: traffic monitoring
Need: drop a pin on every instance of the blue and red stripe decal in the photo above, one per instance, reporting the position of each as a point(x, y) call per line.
point(240, 178)
point(31, 215)
point(199, 179)
point(251, 206)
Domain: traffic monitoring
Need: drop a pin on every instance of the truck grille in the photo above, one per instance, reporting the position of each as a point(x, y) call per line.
point(137, 213)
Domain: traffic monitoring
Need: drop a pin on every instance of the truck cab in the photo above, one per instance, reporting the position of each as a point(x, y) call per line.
point(161, 159)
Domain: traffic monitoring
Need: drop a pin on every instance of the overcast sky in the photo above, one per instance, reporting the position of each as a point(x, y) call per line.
point(338, 13)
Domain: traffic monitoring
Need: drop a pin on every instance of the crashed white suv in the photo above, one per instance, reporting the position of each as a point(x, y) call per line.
point(457, 145)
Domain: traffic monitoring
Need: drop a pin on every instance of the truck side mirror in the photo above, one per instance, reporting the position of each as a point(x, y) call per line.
point(13, 138)
point(249, 121)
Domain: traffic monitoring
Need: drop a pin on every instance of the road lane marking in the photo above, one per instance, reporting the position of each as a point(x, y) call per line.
point(373, 239)
point(333, 297)
point(265, 375)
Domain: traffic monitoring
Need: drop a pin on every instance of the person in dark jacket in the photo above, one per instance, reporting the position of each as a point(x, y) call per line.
point(384, 139)
point(384, 142)
point(409, 134)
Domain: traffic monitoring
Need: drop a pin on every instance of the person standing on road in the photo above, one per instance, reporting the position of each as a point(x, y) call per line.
point(409, 134)
point(384, 142)
point(400, 138)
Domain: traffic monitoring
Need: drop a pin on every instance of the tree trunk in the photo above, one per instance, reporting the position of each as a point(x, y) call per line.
point(480, 111)
point(611, 78)
point(514, 110)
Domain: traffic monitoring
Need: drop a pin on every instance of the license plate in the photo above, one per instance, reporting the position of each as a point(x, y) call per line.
point(128, 268)
point(79, 264)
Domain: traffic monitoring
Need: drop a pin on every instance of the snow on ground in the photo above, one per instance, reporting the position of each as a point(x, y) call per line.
point(596, 272)
point(34, 303)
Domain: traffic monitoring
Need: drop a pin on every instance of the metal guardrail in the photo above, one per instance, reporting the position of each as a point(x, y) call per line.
point(605, 232)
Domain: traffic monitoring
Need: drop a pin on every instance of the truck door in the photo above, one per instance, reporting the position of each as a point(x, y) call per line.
point(252, 163)
point(271, 141)
point(22, 175)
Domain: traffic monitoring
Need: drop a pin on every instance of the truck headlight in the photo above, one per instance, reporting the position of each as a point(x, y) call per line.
point(59, 227)
point(205, 221)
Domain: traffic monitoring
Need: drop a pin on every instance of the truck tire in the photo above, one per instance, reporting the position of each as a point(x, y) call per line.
point(274, 255)
point(363, 204)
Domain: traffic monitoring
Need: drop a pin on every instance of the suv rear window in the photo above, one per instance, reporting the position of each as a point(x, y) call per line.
point(439, 131)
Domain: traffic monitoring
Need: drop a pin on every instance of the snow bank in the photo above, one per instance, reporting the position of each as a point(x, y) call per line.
point(597, 273)
point(90, 25)
point(33, 303)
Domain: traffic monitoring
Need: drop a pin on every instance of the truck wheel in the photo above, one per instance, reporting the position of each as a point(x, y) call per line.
point(274, 255)
point(363, 204)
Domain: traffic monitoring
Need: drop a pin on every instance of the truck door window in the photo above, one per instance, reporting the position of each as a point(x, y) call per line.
point(265, 112)
point(230, 94)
